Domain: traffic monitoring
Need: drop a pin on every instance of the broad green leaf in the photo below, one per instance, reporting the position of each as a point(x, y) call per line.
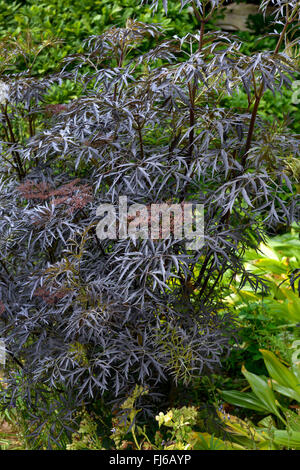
point(245, 400)
point(293, 420)
point(248, 295)
point(287, 392)
point(266, 422)
point(294, 310)
point(268, 252)
point(293, 296)
point(263, 391)
point(205, 441)
point(270, 265)
point(281, 374)
point(289, 439)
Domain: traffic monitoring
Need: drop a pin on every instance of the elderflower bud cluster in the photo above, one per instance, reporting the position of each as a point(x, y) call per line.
point(4, 90)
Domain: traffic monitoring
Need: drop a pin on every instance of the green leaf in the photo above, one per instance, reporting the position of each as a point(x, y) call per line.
point(293, 420)
point(263, 391)
point(281, 374)
point(287, 392)
point(245, 400)
point(271, 265)
point(289, 439)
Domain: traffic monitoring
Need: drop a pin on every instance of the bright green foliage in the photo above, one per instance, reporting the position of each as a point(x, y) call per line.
point(75, 20)
point(86, 436)
point(276, 261)
point(268, 320)
point(283, 380)
point(277, 104)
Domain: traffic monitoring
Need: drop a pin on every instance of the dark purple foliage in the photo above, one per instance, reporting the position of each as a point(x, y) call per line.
point(84, 318)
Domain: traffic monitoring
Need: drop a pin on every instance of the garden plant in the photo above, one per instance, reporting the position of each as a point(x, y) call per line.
point(151, 117)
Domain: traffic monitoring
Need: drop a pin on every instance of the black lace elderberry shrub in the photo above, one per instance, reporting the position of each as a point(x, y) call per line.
point(85, 318)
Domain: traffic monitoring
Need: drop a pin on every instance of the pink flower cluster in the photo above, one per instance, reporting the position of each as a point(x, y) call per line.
point(71, 194)
point(50, 297)
point(2, 307)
